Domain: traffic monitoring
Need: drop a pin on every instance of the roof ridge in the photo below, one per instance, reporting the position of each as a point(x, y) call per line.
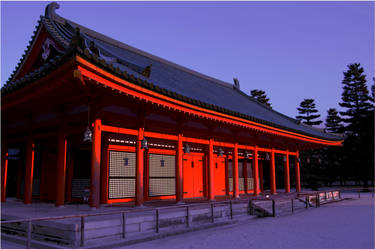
point(123, 45)
point(267, 107)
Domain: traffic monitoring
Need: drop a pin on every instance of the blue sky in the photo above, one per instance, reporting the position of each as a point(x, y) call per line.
point(292, 50)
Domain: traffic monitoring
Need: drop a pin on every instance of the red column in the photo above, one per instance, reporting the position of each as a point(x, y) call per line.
point(226, 174)
point(211, 170)
point(244, 168)
point(69, 178)
point(19, 178)
point(140, 169)
point(273, 173)
point(286, 173)
point(179, 165)
point(261, 175)
point(61, 169)
point(235, 171)
point(4, 171)
point(104, 175)
point(255, 171)
point(30, 147)
point(298, 181)
point(95, 164)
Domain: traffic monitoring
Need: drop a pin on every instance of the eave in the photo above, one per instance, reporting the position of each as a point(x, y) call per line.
point(149, 93)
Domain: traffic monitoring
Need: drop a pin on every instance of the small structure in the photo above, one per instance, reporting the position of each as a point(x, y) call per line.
point(82, 110)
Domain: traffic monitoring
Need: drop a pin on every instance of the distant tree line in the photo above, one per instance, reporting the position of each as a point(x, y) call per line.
point(354, 161)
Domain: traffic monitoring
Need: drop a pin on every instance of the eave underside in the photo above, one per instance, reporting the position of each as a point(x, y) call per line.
point(70, 95)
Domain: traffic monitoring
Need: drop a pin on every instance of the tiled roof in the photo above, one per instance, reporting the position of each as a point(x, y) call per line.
point(170, 79)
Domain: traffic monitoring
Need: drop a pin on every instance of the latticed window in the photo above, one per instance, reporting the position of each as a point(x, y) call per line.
point(162, 175)
point(122, 174)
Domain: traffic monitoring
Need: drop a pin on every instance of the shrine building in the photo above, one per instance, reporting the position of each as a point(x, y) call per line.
point(87, 117)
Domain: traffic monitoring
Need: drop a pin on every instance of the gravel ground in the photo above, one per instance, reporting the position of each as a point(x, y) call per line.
point(343, 225)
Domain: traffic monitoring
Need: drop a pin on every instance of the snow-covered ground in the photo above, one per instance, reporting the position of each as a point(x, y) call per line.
point(342, 225)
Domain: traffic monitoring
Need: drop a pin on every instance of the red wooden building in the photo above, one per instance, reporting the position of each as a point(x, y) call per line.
point(85, 112)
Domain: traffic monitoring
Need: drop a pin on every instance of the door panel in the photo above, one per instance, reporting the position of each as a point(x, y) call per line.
point(219, 176)
point(193, 176)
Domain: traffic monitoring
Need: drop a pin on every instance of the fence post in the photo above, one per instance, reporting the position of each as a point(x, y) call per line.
point(251, 211)
point(82, 230)
point(307, 201)
point(273, 209)
point(292, 205)
point(157, 220)
point(29, 230)
point(212, 213)
point(123, 225)
point(333, 196)
point(187, 216)
point(231, 209)
point(317, 200)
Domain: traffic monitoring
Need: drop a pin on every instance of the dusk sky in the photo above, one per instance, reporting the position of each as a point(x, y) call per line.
point(292, 50)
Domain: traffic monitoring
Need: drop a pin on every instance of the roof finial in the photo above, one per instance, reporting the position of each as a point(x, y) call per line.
point(50, 9)
point(236, 83)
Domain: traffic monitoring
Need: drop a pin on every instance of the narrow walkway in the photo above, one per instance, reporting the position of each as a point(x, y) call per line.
point(342, 225)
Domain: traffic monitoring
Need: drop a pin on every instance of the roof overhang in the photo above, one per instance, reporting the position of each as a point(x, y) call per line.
point(92, 71)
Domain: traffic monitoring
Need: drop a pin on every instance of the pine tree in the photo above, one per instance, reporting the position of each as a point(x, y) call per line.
point(359, 119)
point(355, 97)
point(307, 110)
point(332, 156)
point(261, 96)
point(333, 121)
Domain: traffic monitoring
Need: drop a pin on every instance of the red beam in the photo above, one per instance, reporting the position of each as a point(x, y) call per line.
point(223, 144)
point(160, 135)
point(245, 147)
point(113, 129)
point(196, 140)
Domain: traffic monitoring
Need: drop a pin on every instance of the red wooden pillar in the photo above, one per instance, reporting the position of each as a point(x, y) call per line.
point(226, 174)
point(298, 181)
point(29, 172)
point(95, 164)
point(139, 198)
point(104, 175)
point(211, 170)
point(19, 178)
point(286, 173)
point(244, 170)
point(61, 169)
point(69, 178)
point(179, 165)
point(273, 173)
point(235, 171)
point(260, 164)
point(256, 171)
point(4, 170)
